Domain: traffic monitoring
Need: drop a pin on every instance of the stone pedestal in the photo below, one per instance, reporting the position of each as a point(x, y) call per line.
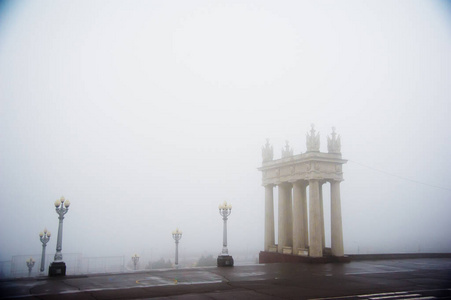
point(57, 269)
point(225, 261)
point(268, 257)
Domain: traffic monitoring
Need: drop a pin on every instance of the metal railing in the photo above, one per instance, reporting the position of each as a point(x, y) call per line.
point(76, 264)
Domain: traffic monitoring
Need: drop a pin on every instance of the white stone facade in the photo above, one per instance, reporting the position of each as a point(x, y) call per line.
point(292, 175)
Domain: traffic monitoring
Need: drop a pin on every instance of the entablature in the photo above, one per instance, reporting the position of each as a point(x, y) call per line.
point(305, 166)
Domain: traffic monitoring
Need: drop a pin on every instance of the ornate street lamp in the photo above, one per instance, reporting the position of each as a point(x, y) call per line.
point(224, 259)
point(58, 267)
point(135, 259)
point(44, 237)
point(30, 265)
point(177, 236)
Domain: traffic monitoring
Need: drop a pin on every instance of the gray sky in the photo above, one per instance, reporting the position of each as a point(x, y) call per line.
point(148, 114)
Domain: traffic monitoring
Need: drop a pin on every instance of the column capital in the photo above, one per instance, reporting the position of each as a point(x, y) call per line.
point(335, 180)
point(269, 185)
point(285, 184)
point(300, 182)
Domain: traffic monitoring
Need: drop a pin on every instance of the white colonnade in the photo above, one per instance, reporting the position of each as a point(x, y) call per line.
point(301, 228)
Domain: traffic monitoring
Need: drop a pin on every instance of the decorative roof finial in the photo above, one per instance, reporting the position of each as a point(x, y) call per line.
point(267, 152)
point(312, 140)
point(287, 152)
point(334, 143)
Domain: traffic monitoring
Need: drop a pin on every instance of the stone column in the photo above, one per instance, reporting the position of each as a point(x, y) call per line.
point(300, 226)
point(289, 214)
point(281, 238)
point(305, 213)
point(321, 203)
point(336, 224)
point(284, 216)
point(316, 247)
point(269, 217)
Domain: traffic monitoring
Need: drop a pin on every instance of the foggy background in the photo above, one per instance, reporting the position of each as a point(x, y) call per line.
point(148, 114)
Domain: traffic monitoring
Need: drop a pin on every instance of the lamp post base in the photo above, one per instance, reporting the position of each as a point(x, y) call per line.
point(225, 261)
point(57, 269)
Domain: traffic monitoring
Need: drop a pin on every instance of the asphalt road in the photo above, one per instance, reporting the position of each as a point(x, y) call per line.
point(379, 280)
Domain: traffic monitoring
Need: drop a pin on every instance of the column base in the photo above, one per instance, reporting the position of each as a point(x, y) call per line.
point(57, 269)
point(272, 248)
point(287, 250)
point(225, 261)
point(301, 252)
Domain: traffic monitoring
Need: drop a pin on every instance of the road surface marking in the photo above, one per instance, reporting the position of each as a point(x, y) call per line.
point(395, 296)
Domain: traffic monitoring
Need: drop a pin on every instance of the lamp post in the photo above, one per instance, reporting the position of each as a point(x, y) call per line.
point(135, 259)
point(224, 259)
point(30, 265)
point(44, 237)
point(177, 236)
point(58, 267)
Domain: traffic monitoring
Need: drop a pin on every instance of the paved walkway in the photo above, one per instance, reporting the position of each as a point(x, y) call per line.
point(381, 280)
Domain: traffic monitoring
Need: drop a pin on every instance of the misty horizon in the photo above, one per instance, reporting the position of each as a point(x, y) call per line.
point(147, 116)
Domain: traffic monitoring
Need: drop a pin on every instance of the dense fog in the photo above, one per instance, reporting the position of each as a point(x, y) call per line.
point(147, 115)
